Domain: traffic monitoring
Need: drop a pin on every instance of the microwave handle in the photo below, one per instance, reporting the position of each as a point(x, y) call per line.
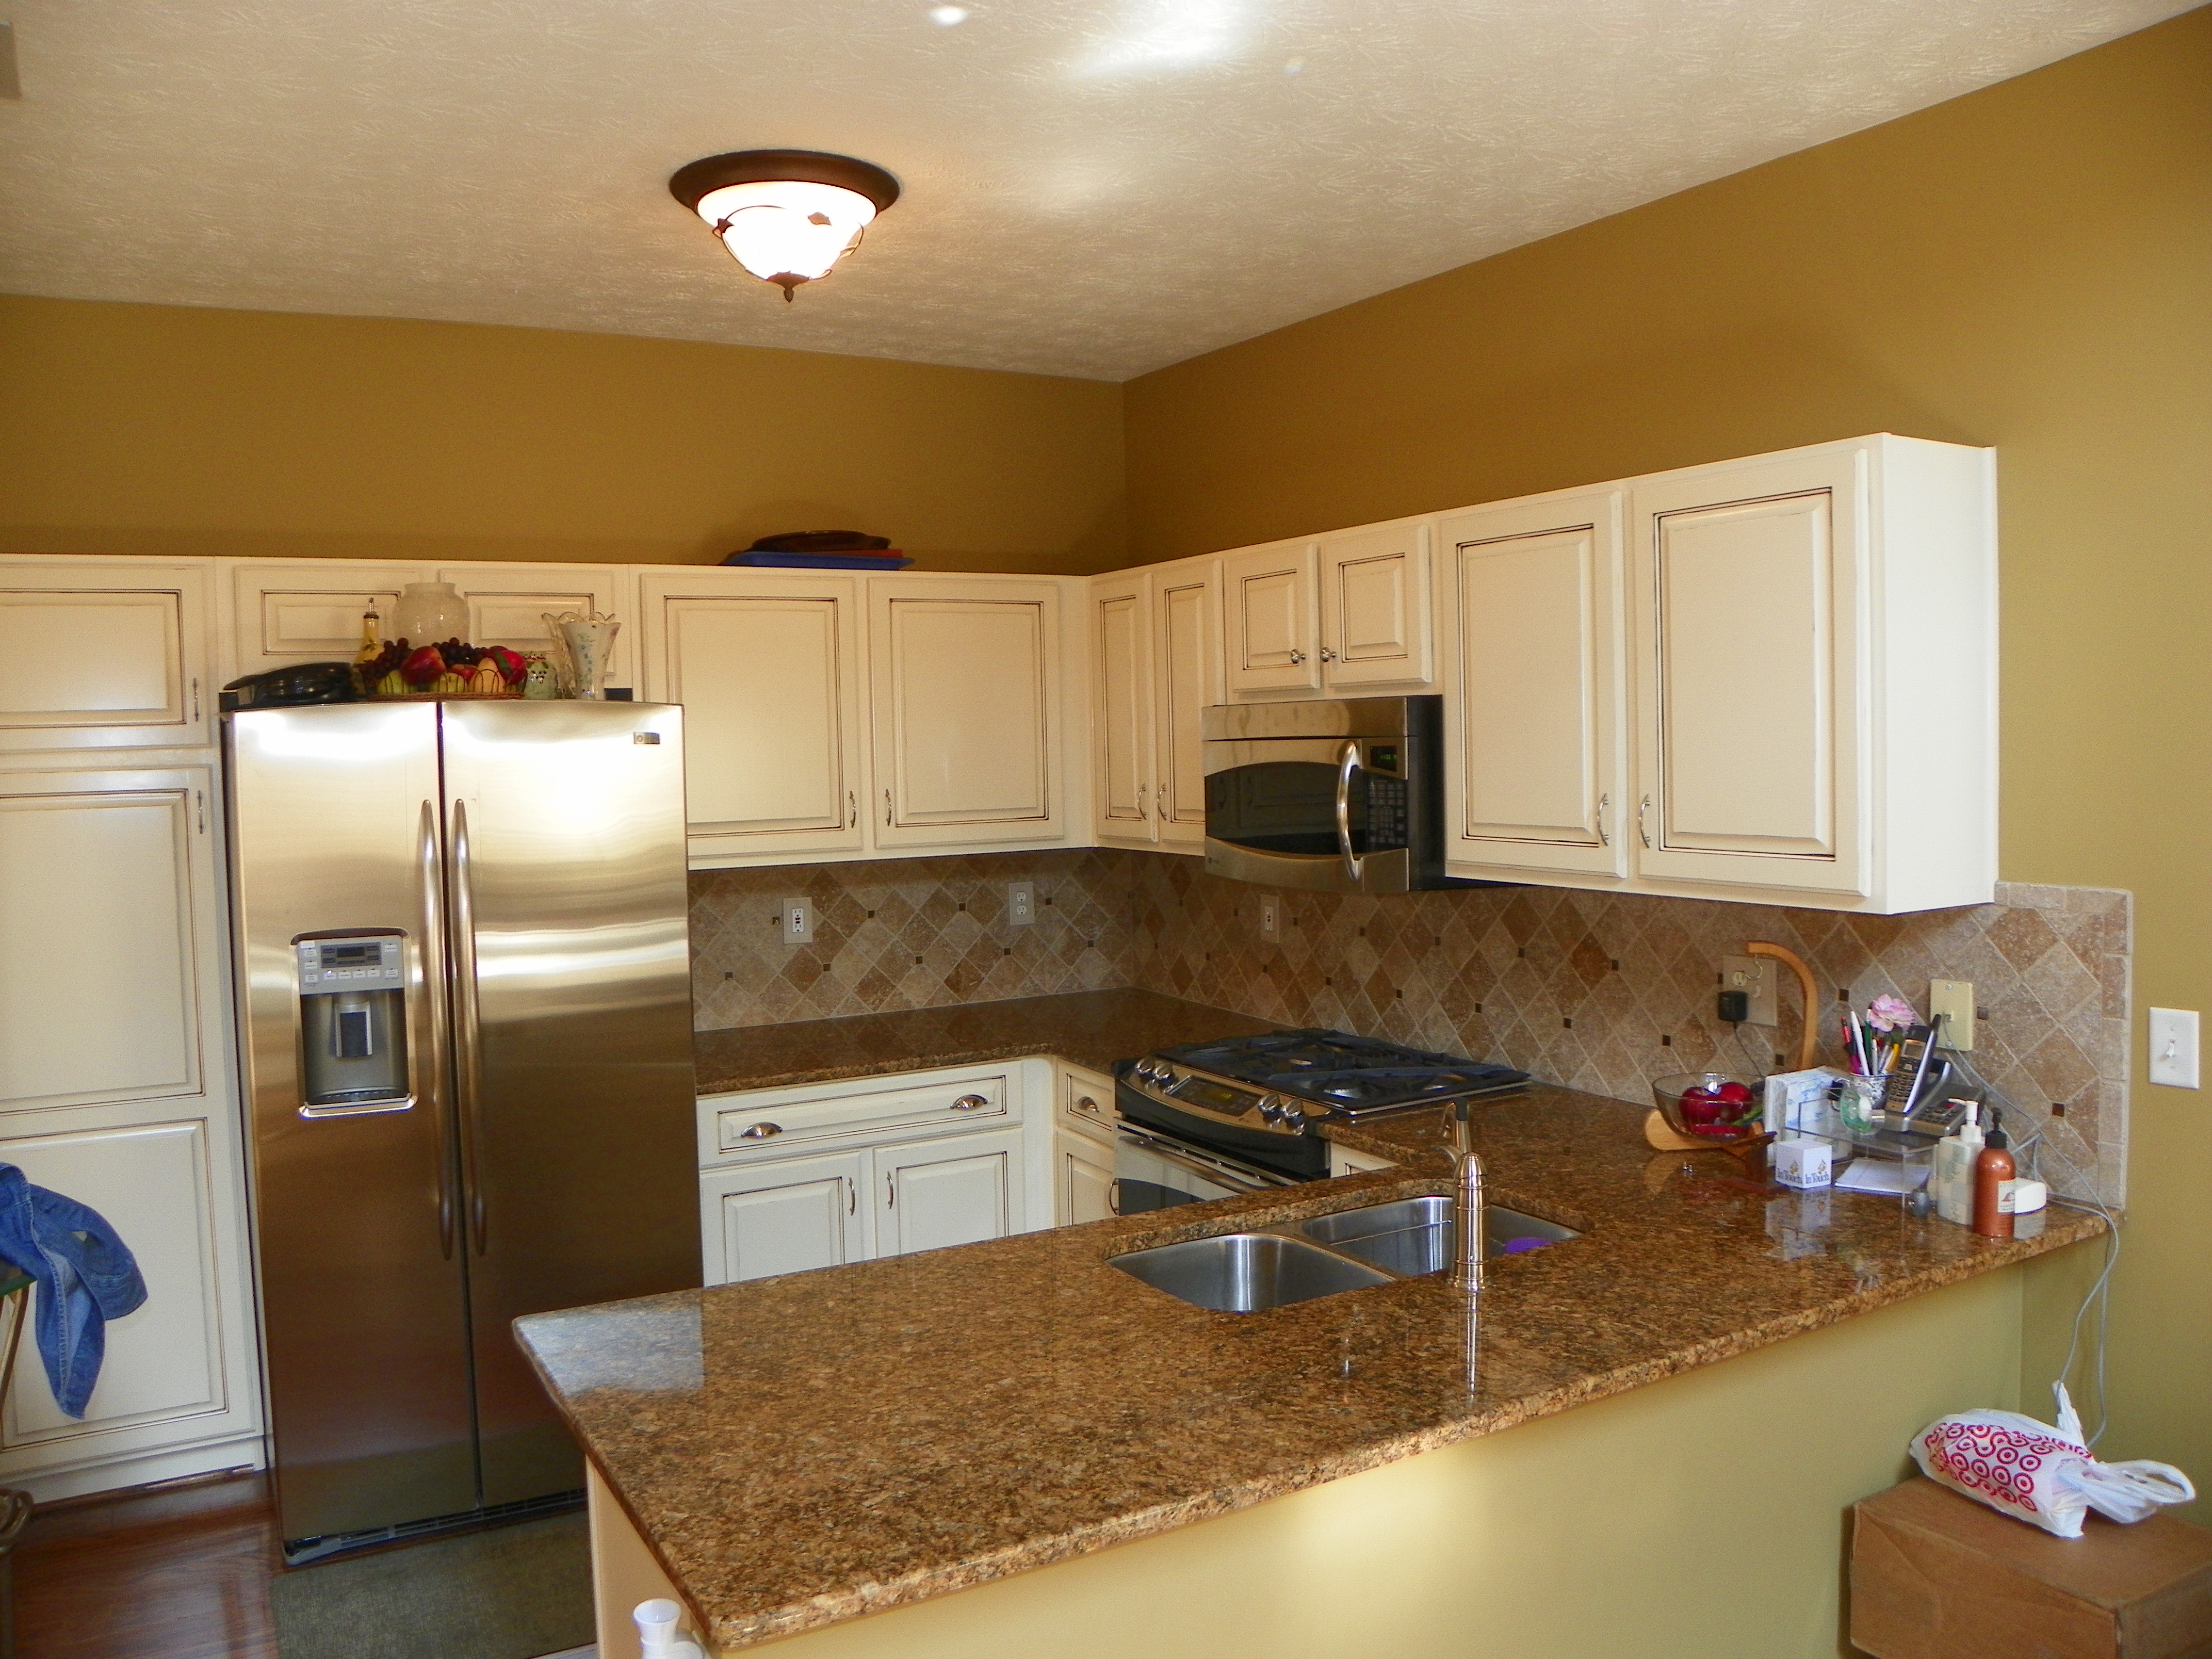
point(1346, 764)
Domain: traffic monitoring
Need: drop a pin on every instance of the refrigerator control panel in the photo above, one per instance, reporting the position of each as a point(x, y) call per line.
point(371, 963)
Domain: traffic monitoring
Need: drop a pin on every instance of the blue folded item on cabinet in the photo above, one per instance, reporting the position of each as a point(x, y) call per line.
point(85, 1274)
point(823, 561)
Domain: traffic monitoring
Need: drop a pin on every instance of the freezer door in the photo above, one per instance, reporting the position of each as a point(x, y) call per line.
point(335, 828)
point(572, 978)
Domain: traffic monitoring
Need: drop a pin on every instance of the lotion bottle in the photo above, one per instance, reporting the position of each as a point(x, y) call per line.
point(1953, 1177)
point(1993, 1167)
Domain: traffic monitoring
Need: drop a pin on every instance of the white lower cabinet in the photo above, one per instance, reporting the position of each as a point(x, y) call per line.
point(1083, 1188)
point(785, 1216)
point(957, 1191)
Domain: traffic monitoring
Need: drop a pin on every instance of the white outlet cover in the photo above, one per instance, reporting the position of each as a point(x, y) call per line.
point(2173, 1048)
point(798, 922)
point(1755, 975)
point(1021, 903)
point(1954, 998)
point(1271, 918)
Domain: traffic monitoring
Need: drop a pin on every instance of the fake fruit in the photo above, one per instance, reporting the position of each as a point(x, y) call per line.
point(512, 667)
point(1720, 1111)
point(423, 666)
point(486, 681)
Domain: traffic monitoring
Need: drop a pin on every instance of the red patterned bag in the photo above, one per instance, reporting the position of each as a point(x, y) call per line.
point(2034, 1472)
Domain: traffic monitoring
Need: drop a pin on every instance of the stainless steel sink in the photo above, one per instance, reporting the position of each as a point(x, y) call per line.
point(1246, 1272)
point(1414, 1235)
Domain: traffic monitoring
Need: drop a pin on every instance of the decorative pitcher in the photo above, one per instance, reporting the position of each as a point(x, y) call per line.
point(586, 640)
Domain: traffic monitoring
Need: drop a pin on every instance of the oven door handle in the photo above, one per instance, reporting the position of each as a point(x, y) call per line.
point(1169, 1152)
point(1347, 763)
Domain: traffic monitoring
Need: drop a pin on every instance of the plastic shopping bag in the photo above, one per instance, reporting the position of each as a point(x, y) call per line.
point(2034, 1472)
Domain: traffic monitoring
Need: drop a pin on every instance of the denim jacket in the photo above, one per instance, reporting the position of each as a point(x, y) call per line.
point(85, 1276)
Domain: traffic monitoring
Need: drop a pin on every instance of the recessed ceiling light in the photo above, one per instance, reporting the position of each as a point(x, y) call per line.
point(946, 16)
point(786, 215)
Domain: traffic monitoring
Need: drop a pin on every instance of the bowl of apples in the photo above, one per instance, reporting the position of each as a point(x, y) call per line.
point(1712, 1106)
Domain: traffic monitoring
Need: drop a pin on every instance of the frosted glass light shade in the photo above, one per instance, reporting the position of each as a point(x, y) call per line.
point(786, 231)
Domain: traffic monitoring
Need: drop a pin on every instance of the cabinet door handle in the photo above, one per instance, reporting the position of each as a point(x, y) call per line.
point(887, 809)
point(852, 811)
point(1160, 799)
point(969, 1103)
point(1143, 810)
point(1643, 829)
point(1114, 1198)
point(200, 797)
point(1087, 1106)
point(1296, 655)
point(890, 1191)
point(852, 1196)
point(1327, 655)
point(760, 1131)
point(1603, 839)
point(196, 699)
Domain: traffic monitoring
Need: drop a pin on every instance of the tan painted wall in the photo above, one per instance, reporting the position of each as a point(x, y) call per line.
point(166, 429)
point(2028, 266)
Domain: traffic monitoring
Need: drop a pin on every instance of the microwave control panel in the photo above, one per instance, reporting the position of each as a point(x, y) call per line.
point(1386, 812)
point(370, 964)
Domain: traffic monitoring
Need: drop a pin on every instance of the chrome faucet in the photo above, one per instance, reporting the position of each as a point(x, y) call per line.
point(1470, 1229)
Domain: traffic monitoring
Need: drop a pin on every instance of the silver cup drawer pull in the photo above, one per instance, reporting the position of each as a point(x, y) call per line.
point(760, 1131)
point(1087, 1106)
point(970, 1103)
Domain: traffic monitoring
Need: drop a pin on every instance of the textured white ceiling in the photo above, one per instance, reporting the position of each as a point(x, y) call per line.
point(1092, 188)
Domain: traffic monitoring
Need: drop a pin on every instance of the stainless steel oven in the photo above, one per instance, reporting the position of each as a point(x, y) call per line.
point(1344, 795)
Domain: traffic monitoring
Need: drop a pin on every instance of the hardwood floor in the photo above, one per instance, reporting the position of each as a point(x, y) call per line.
point(174, 1573)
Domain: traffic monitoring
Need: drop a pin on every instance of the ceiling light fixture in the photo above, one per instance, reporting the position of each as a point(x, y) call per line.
point(786, 215)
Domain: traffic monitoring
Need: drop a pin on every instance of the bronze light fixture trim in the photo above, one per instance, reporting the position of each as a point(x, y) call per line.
point(786, 215)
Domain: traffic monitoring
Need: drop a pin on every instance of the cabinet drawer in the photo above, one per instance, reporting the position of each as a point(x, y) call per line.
point(1087, 1103)
point(961, 1103)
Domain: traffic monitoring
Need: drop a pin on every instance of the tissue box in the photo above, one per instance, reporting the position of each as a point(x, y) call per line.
point(1804, 1163)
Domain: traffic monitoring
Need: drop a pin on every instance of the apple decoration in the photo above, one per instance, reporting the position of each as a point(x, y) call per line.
point(423, 666)
point(1719, 1111)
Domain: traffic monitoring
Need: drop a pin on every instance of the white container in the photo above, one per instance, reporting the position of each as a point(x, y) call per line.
point(430, 613)
point(1804, 1164)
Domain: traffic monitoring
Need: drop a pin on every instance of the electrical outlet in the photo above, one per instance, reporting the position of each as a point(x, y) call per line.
point(1271, 918)
point(2173, 1048)
point(1951, 1010)
point(1021, 903)
point(1754, 975)
point(798, 922)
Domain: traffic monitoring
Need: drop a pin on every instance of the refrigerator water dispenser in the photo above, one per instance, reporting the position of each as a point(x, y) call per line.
point(353, 1022)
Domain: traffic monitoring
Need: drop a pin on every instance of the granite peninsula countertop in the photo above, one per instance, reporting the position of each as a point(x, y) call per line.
point(1090, 1027)
point(803, 1450)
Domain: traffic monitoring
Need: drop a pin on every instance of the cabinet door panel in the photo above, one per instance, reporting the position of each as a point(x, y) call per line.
point(1121, 658)
point(966, 739)
point(769, 685)
point(785, 1217)
point(106, 916)
point(1748, 679)
point(1534, 769)
point(948, 1192)
point(508, 605)
point(165, 1361)
point(102, 656)
point(1269, 592)
point(1187, 612)
point(1084, 1190)
point(1375, 608)
point(308, 612)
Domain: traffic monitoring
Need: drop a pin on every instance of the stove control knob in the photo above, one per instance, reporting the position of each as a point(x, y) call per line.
point(1280, 1109)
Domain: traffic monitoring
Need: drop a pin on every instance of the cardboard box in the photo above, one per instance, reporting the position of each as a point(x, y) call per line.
point(1935, 1575)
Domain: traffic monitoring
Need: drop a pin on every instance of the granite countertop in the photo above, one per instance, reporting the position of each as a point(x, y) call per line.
point(806, 1450)
point(1090, 1027)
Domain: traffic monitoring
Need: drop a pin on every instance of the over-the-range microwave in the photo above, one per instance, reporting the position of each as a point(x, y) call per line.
point(1341, 795)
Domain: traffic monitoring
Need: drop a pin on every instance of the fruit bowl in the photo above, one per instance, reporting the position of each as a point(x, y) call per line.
point(1713, 1106)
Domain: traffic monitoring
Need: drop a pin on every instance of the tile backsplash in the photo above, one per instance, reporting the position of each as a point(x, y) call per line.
point(1599, 991)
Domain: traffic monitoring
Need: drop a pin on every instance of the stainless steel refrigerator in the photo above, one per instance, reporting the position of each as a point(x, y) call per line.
point(465, 1002)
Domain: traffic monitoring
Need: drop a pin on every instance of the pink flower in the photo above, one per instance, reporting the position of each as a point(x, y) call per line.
point(1888, 1013)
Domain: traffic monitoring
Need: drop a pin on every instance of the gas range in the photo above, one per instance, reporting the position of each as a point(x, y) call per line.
point(1264, 1099)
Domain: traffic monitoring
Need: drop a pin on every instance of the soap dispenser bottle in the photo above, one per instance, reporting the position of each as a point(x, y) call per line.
point(1993, 1167)
point(1953, 1176)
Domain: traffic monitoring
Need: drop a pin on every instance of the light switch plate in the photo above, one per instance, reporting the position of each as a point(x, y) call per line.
point(1271, 918)
point(798, 922)
point(1951, 1005)
point(1756, 976)
point(2173, 1048)
point(1021, 903)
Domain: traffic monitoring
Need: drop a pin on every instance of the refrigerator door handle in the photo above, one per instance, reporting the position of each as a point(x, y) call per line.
point(467, 1058)
point(428, 1057)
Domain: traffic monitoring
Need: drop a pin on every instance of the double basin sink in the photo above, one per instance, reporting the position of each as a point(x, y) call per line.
point(1267, 1267)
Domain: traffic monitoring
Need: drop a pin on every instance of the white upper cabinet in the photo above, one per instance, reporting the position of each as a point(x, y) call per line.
point(1269, 598)
point(768, 669)
point(307, 609)
point(1123, 790)
point(104, 656)
point(508, 605)
point(1813, 637)
point(1186, 601)
point(1376, 627)
point(1535, 762)
point(965, 687)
